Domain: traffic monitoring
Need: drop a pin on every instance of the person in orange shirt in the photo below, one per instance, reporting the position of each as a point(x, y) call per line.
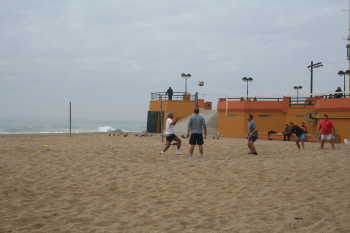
point(327, 131)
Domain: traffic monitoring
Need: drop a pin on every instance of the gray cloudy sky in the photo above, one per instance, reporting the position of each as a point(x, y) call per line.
point(108, 56)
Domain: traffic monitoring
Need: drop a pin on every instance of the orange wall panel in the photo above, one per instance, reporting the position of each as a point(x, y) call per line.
point(208, 105)
point(181, 108)
point(333, 105)
point(231, 125)
point(200, 103)
point(273, 115)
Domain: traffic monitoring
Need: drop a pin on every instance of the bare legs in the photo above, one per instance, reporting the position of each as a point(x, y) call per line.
point(167, 144)
point(191, 149)
point(166, 147)
point(331, 141)
point(178, 142)
point(302, 143)
point(251, 146)
point(200, 150)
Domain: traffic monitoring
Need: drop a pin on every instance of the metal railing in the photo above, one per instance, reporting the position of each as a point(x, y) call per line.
point(254, 98)
point(307, 101)
point(155, 96)
point(301, 100)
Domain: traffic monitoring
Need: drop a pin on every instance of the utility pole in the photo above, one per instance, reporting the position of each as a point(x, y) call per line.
point(312, 77)
point(311, 68)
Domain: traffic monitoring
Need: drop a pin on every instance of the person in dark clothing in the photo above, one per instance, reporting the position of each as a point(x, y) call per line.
point(299, 132)
point(287, 133)
point(170, 93)
point(338, 95)
point(252, 134)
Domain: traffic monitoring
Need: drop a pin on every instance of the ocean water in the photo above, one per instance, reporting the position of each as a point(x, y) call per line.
point(10, 126)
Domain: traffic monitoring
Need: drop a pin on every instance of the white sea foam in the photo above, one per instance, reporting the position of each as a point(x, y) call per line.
point(106, 129)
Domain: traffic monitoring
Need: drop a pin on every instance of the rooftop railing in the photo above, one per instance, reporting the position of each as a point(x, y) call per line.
point(156, 96)
point(254, 98)
point(300, 100)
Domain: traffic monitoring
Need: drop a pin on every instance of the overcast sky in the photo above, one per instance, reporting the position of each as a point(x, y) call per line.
point(107, 56)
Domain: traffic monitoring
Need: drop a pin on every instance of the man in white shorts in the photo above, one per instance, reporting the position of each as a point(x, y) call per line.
point(327, 131)
point(170, 133)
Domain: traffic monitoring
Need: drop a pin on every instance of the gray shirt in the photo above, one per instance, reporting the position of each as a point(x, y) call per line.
point(196, 124)
point(251, 127)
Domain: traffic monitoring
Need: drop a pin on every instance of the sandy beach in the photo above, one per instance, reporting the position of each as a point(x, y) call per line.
point(97, 183)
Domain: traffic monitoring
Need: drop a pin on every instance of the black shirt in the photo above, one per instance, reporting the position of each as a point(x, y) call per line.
point(338, 95)
point(169, 91)
point(297, 130)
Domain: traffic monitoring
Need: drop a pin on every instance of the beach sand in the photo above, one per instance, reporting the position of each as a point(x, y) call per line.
point(97, 183)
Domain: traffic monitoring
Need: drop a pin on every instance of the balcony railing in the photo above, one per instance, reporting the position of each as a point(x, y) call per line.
point(301, 100)
point(254, 98)
point(155, 96)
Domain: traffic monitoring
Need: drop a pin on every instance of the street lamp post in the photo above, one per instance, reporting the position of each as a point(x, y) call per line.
point(297, 88)
point(342, 73)
point(247, 80)
point(311, 68)
point(186, 76)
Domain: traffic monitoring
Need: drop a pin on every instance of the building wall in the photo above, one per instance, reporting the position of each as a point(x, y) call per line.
point(298, 114)
point(232, 125)
point(273, 115)
point(341, 121)
point(182, 108)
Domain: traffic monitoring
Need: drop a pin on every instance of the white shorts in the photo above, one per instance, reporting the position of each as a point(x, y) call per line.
point(327, 136)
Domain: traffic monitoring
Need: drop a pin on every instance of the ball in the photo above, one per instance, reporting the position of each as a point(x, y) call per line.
point(201, 83)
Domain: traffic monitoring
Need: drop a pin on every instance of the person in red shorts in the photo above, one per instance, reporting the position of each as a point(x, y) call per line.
point(327, 131)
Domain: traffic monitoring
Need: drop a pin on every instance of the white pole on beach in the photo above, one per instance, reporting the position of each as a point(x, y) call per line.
point(70, 119)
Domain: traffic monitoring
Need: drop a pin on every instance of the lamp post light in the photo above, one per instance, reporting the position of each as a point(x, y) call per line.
point(247, 80)
point(311, 68)
point(297, 88)
point(186, 76)
point(342, 73)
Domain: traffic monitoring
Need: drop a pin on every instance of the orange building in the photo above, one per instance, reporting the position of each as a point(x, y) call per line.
point(273, 114)
point(182, 105)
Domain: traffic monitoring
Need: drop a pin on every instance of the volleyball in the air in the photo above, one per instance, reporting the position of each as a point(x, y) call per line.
point(201, 83)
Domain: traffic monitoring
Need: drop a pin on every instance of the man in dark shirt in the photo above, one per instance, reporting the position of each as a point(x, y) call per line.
point(299, 132)
point(338, 95)
point(170, 93)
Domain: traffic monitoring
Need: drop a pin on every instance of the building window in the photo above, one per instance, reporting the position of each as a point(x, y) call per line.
point(231, 115)
point(300, 116)
point(265, 115)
